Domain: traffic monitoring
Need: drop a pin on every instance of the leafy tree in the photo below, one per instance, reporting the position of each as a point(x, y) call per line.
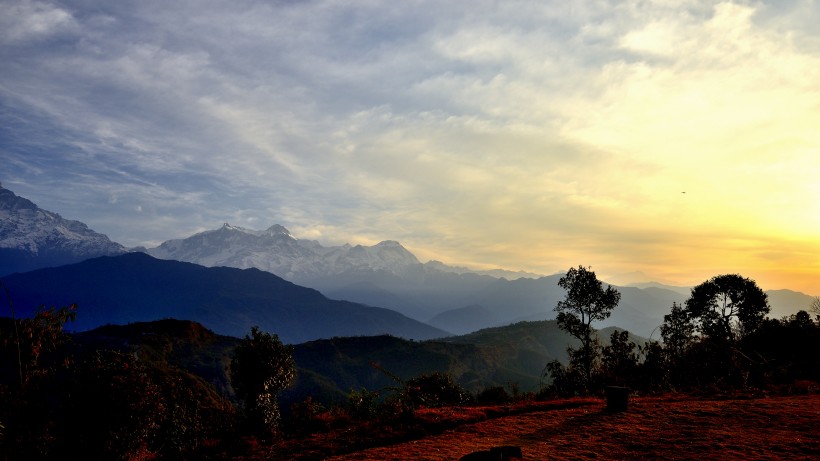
point(111, 409)
point(726, 304)
point(619, 359)
point(34, 356)
point(677, 331)
point(586, 301)
point(566, 379)
point(262, 367)
point(653, 371)
point(784, 350)
point(39, 341)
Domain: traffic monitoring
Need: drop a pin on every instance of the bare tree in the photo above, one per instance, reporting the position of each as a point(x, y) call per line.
point(814, 307)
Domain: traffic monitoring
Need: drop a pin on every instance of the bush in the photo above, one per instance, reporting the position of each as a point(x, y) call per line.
point(434, 390)
point(307, 417)
point(493, 395)
point(362, 405)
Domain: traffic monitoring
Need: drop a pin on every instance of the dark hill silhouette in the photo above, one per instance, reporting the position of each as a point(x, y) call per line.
point(330, 368)
point(135, 287)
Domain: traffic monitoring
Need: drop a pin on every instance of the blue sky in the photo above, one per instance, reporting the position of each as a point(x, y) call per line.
point(524, 135)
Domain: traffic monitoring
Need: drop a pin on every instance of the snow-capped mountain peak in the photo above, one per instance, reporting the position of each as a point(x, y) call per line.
point(276, 250)
point(31, 237)
point(276, 229)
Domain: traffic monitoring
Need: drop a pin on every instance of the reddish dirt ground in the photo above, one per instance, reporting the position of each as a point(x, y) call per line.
point(669, 427)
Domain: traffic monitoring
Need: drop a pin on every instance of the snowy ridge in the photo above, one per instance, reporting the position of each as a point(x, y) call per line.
point(31, 237)
point(276, 250)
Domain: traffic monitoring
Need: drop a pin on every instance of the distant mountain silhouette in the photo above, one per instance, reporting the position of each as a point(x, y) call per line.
point(136, 287)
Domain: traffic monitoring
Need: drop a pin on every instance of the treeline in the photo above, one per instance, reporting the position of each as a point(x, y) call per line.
point(719, 340)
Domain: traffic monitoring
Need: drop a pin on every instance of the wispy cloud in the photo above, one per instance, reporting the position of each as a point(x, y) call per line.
point(533, 135)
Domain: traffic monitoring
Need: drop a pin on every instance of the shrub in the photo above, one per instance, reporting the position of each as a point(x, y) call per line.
point(493, 395)
point(362, 405)
point(434, 390)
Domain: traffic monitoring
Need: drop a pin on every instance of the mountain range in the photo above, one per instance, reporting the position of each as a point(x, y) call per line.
point(457, 300)
point(386, 275)
point(135, 287)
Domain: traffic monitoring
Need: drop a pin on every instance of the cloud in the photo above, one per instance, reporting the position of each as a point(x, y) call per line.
point(528, 135)
point(33, 21)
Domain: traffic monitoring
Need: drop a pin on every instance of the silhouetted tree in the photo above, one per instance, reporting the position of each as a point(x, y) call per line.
point(727, 304)
point(814, 307)
point(678, 333)
point(567, 379)
point(653, 370)
point(262, 367)
point(785, 350)
point(619, 360)
point(586, 301)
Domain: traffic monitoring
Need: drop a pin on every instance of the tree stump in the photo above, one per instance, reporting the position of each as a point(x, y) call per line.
point(617, 398)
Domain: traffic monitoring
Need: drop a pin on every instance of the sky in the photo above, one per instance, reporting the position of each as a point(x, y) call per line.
point(667, 140)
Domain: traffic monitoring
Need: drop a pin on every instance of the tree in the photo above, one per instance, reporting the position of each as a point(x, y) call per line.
point(619, 358)
point(586, 301)
point(262, 367)
point(727, 304)
point(677, 331)
point(814, 307)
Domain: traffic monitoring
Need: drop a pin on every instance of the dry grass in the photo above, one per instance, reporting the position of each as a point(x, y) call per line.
point(669, 427)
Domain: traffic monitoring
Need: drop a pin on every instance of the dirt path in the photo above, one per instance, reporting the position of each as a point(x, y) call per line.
point(652, 428)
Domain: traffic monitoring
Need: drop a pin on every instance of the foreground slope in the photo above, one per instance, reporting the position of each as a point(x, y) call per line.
point(666, 427)
point(135, 287)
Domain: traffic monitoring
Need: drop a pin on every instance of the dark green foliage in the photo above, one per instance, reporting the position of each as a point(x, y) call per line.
point(362, 405)
point(619, 360)
point(721, 310)
point(434, 390)
point(784, 351)
point(41, 341)
point(677, 331)
point(113, 409)
point(727, 306)
point(493, 395)
point(29, 387)
point(653, 372)
point(566, 380)
point(307, 417)
point(262, 367)
point(586, 301)
point(98, 397)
